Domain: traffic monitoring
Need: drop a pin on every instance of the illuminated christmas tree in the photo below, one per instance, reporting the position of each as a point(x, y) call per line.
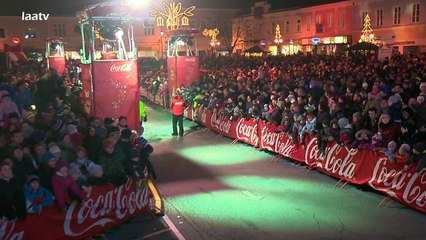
point(367, 32)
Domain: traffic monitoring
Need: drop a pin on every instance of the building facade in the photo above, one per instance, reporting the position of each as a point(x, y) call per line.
point(149, 40)
point(330, 28)
point(396, 23)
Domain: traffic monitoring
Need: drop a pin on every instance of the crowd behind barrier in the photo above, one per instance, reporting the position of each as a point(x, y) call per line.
point(373, 110)
point(60, 169)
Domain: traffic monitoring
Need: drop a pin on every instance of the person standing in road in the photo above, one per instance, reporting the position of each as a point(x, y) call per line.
point(177, 108)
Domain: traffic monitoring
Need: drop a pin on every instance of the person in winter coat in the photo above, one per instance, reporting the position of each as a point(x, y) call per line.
point(299, 123)
point(46, 170)
point(389, 130)
point(82, 163)
point(419, 155)
point(96, 176)
point(62, 183)
point(145, 151)
point(12, 200)
point(36, 196)
point(323, 137)
point(309, 127)
point(363, 140)
point(113, 162)
point(346, 132)
point(177, 108)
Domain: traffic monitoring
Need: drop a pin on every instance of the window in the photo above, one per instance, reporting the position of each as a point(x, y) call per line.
point(30, 33)
point(298, 25)
point(148, 27)
point(330, 21)
point(287, 27)
point(379, 17)
point(415, 13)
point(2, 33)
point(397, 15)
point(273, 26)
point(308, 23)
point(248, 30)
point(364, 14)
point(59, 30)
point(318, 19)
point(342, 20)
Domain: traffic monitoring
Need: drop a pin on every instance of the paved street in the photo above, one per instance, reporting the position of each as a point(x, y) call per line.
point(215, 190)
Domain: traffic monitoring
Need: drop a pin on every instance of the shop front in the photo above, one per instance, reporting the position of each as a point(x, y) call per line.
point(325, 45)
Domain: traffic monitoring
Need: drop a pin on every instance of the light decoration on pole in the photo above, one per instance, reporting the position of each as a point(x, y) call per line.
point(278, 37)
point(171, 16)
point(367, 32)
point(212, 33)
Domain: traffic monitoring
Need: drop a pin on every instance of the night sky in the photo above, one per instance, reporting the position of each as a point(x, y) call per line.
point(70, 7)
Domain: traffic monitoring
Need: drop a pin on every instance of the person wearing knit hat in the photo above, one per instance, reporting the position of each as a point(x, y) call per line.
point(346, 132)
point(56, 151)
point(36, 196)
point(390, 151)
point(404, 150)
point(95, 176)
point(419, 155)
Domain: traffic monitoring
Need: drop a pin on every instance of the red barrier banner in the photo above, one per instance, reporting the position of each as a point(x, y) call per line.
point(107, 207)
point(116, 90)
point(356, 166)
point(247, 131)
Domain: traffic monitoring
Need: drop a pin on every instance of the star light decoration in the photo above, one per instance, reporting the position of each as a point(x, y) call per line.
point(118, 99)
point(171, 16)
point(212, 33)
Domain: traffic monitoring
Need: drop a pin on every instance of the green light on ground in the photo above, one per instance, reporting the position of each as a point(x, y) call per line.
point(271, 203)
point(223, 154)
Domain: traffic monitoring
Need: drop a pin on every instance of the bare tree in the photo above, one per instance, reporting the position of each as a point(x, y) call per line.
point(233, 36)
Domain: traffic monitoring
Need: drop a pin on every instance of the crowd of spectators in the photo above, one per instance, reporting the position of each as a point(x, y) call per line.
point(50, 151)
point(356, 101)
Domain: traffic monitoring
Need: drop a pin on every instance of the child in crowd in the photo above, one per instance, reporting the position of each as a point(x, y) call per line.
point(377, 141)
point(309, 127)
point(62, 183)
point(404, 150)
point(36, 196)
point(362, 140)
point(335, 130)
point(391, 150)
point(96, 177)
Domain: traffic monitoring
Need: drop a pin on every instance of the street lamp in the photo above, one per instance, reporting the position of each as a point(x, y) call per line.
point(212, 33)
point(161, 44)
point(278, 38)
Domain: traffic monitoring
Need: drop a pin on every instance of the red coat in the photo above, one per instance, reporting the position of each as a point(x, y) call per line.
point(178, 105)
point(61, 185)
point(390, 133)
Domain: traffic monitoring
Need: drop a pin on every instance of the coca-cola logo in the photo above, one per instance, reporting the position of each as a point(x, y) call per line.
point(220, 122)
point(190, 59)
point(127, 67)
point(112, 206)
point(202, 116)
point(392, 181)
point(246, 132)
point(276, 142)
point(335, 161)
point(7, 231)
